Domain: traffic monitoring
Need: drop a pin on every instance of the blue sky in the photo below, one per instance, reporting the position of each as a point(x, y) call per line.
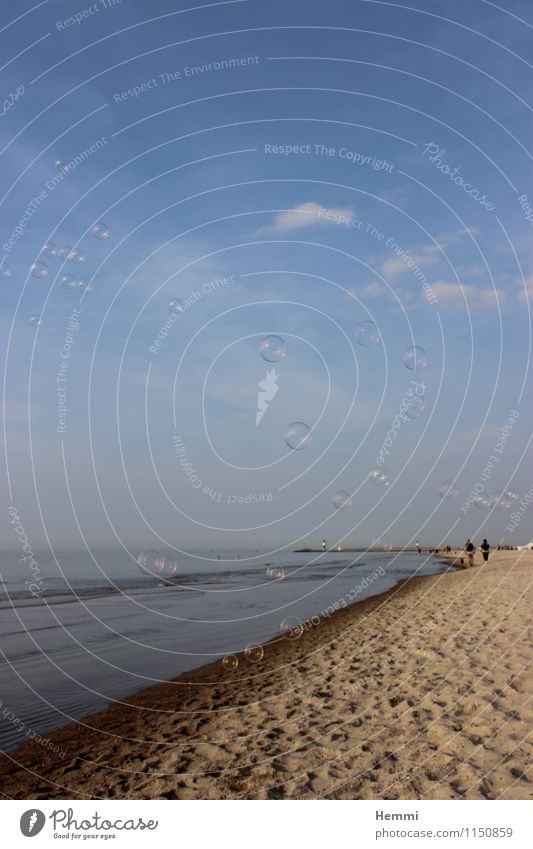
point(320, 178)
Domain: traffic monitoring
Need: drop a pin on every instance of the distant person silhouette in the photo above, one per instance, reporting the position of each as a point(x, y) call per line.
point(419, 550)
point(469, 549)
point(485, 548)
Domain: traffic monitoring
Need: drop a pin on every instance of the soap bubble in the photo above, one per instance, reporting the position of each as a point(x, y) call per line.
point(100, 231)
point(230, 661)
point(169, 567)
point(415, 358)
point(414, 406)
point(275, 572)
point(35, 320)
point(65, 252)
point(272, 349)
point(50, 249)
point(379, 478)
point(5, 270)
point(292, 628)
point(84, 285)
point(481, 501)
point(254, 653)
point(68, 281)
point(501, 501)
point(151, 562)
point(77, 256)
point(298, 436)
point(510, 493)
point(448, 490)
point(342, 499)
point(367, 334)
point(175, 305)
point(39, 270)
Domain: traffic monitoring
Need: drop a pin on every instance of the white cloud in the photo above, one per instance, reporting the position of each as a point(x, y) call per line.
point(403, 264)
point(476, 271)
point(307, 215)
point(405, 295)
point(374, 290)
point(371, 290)
point(525, 290)
point(457, 235)
point(466, 295)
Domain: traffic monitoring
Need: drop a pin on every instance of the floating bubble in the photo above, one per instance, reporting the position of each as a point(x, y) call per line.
point(35, 320)
point(272, 349)
point(367, 334)
point(77, 256)
point(68, 281)
point(510, 493)
point(254, 653)
point(151, 561)
point(415, 358)
point(175, 305)
point(448, 490)
point(276, 573)
point(298, 436)
point(292, 628)
point(66, 252)
point(100, 231)
point(342, 499)
point(84, 285)
point(5, 270)
point(379, 478)
point(501, 501)
point(50, 249)
point(169, 567)
point(414, 407)
point(481, 501)
point(39, 270)
point(230, 661)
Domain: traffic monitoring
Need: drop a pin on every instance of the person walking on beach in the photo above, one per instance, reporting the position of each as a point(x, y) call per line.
point(469, 549)
point(485, 548)
point(419, 550)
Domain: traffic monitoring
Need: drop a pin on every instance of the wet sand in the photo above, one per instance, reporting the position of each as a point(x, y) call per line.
point(423, 692)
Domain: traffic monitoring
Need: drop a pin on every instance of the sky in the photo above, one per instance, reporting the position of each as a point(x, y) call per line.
point(281, 169)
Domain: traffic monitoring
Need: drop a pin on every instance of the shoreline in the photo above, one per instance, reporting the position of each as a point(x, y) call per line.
point(214, 670)
point(267, 729)
point(79, 714)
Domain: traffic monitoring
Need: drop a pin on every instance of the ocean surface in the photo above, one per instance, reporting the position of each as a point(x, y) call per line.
point(102, 628)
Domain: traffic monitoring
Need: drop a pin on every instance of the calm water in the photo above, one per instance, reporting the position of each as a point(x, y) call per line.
point(101, 629)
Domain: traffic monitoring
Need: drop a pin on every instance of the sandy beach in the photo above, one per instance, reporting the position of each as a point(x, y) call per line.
point(423, 692)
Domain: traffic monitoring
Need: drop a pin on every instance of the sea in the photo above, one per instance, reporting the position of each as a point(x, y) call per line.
point(99, 627)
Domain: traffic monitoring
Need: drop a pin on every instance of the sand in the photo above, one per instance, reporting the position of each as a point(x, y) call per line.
point(421, 693)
